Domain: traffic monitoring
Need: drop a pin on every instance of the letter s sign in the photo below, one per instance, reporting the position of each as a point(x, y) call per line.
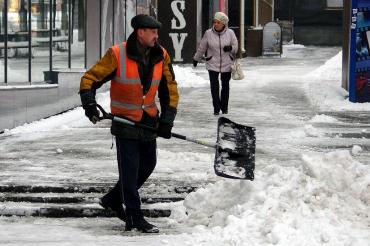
point(178, 14)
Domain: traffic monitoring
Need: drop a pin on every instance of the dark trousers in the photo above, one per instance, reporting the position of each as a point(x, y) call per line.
point(220, 103)
point(136, 162)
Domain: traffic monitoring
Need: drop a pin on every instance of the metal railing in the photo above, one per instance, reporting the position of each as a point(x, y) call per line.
point(29, 37)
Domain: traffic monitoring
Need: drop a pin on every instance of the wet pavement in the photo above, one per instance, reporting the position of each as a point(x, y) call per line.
point(271, 99)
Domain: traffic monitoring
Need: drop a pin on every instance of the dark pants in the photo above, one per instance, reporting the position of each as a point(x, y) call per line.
point(220, 103)
point(136, 161)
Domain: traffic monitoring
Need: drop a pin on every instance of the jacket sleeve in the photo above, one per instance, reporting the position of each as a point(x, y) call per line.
point(203, 46)
point(103, 71)
point(167, 91)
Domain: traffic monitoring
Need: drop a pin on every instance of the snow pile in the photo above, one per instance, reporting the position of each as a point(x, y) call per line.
point(286, 205)
point(331, 70)
point(186, 77)
point(322, 118)
point(324, 87)
point(292, 50)
point(343, 174)
point(44, 125)
point(356, 150)
point(70, 119)
point(294, 46)
point(311, 131)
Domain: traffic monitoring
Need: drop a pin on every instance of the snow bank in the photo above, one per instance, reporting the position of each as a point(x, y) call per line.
point(292, 50)
point(322, 118)
point(324, 88)
point(186, 77)
point(331, 70)
point(70, 119)
point(286, 205)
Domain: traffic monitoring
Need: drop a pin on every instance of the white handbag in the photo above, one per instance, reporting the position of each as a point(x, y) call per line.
point(236, 70)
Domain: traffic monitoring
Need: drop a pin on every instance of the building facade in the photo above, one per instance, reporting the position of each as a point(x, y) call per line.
point(40, 36)
point(314, 22)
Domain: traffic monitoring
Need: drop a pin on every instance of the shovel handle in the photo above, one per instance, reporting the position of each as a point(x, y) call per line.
point(132, 123)
point(193, 140)
point(123, 120)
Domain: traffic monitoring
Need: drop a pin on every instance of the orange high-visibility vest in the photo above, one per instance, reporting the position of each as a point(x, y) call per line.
point(126, 91)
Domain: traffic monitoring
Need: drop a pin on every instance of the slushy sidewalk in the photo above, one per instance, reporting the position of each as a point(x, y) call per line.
point(74, 159)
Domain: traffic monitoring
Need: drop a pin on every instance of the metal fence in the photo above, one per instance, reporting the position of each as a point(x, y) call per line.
point(39, 35)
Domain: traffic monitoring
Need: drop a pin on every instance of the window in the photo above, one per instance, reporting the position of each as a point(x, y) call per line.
point(26, 27)
point(334, 3)
point(142, 7)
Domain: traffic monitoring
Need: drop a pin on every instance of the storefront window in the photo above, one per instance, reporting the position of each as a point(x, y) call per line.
point(142, 6)
point(17, 61)
point(130, 13)
point(106, 25)
point(60, 24)
point(78, 34)
point(119, 21)
point(40, 22)
point(30, 52)
point(334, 3)
point(153, 11)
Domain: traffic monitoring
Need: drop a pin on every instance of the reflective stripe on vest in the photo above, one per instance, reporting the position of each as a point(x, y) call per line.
point(127, 98)
point(123, 79)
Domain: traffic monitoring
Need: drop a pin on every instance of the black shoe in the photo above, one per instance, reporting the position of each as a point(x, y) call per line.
point(117, 209)
point(140, 224)
point(216, 113)
point(224, 112)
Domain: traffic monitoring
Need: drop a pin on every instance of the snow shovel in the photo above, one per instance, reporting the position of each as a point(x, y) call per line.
point(235, 146)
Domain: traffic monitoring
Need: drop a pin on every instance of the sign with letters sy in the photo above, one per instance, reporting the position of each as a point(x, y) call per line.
point(179, 25)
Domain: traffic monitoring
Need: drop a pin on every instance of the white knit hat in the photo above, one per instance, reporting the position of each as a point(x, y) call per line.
point(221, 17)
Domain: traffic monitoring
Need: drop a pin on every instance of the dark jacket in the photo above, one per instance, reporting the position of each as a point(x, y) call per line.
point(105, 70)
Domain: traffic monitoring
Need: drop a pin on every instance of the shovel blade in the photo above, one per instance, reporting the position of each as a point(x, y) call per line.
point(235, 152)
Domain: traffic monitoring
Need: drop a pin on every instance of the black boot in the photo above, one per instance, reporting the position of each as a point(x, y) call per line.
point(116, 208)
point(135, 220)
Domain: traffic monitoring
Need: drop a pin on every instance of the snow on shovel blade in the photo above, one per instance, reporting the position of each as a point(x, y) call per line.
point(235, 152)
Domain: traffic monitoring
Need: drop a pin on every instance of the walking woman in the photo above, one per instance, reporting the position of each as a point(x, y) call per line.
point(221, 45)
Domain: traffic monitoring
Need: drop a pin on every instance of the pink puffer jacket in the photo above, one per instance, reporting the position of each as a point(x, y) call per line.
point(213, 42)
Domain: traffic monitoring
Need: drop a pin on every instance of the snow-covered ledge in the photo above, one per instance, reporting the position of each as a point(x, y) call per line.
point(21, 104)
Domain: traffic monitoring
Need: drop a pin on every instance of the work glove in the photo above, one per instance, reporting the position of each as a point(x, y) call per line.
point(195, 63)
point(89, 105)
point(228, 48)
point(164, 130)
point(92, 113)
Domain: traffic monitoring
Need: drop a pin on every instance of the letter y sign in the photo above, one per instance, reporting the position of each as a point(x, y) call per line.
point(178, 44)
